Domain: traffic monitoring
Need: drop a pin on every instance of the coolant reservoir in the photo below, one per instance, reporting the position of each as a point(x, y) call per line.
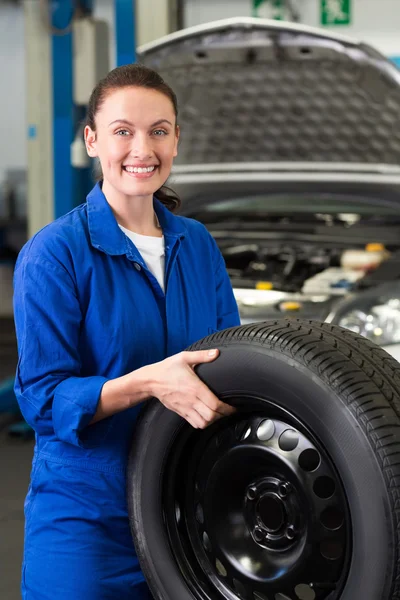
point(332, 281)
point(364, 260)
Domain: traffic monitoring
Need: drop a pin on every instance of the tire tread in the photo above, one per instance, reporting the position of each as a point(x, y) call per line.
point(355, 369)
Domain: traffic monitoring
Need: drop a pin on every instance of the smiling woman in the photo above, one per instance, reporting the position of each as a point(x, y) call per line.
point(132, 129)
point(106, 300)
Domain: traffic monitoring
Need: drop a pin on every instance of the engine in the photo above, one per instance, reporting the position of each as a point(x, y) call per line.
point(309, 269)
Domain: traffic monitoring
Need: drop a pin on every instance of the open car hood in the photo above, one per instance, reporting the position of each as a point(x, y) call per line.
point(276, 95)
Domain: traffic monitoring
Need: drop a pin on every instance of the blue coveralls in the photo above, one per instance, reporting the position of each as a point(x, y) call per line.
point(88, 310)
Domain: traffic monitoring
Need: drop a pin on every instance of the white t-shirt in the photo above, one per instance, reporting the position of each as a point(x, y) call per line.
point(152, 250)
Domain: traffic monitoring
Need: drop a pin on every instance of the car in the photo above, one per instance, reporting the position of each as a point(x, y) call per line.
point(289, 155)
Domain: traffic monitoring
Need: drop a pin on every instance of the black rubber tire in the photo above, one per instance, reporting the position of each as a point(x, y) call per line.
point(345, 389)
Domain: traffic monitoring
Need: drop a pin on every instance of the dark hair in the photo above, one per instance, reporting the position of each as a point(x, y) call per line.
point(139, 76)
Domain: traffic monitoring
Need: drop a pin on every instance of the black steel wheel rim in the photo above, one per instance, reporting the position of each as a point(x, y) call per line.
point(255, 509)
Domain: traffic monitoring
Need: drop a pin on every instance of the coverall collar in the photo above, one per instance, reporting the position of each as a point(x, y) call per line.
point(105, 233)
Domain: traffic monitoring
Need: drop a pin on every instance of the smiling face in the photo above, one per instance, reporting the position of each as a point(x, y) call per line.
point(135, 139)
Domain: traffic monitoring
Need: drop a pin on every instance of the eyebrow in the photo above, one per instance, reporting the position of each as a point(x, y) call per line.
point(124, 121)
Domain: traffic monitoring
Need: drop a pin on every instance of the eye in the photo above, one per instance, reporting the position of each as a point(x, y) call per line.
point(160, 132)
point(122, 132)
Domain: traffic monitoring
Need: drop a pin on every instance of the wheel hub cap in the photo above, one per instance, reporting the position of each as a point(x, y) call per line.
point(271, 507)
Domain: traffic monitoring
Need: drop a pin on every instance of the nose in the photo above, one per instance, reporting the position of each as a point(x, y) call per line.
point(141, 146)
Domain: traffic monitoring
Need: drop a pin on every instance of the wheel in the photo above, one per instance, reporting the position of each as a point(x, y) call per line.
point(296, 496)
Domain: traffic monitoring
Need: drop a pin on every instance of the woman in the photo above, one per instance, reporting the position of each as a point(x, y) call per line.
point(106, 299)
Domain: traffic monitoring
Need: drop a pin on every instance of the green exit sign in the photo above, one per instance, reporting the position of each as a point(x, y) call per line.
point(335, 12)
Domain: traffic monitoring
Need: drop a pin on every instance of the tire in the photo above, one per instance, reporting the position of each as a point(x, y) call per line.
point(307, 512)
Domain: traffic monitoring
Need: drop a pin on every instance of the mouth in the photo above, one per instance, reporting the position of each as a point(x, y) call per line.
point(140, 172)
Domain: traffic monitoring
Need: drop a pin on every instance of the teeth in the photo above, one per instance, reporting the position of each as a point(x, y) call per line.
point(139, 169)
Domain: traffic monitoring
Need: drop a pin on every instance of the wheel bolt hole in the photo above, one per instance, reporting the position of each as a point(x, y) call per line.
point(324, 487)
point(200, 514)
point(284, 490)
point(240, 589)
point(246, 434)
point(206, 542)
point(177, 513)
point(289, 440)
point(240, 430)
point(331, 549)
point(258, 534)
point(304, 592)
point(332, 518)
point(266, 430)
point(220, 568)
point(290, 533)
point(252, 493)
point(309, 460)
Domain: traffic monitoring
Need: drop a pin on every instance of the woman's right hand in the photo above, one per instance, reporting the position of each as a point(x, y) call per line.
point(175, 384)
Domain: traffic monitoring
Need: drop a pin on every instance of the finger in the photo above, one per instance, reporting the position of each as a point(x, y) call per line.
point(190, 421)
point(200, 356)
point(213, 402)
point(226, 410)
point(206, 413)
point(196, 419)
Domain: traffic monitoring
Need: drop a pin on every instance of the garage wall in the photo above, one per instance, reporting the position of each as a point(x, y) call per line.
point(13, 90)
point(375, 21)
point(13, 122)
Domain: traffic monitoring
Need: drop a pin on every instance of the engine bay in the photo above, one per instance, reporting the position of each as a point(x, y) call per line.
point(307, 268)
point(302, 252)
point(280, 267)
point(304, 279)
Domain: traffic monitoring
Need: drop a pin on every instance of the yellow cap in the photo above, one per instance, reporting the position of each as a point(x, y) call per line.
point(286, 306)
point(375, 247)
point(264, 285)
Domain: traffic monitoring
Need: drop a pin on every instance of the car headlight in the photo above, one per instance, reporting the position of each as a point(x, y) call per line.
point(374, 314)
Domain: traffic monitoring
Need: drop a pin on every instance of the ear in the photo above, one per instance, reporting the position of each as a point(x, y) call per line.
point(177, 136)
point(90, 141)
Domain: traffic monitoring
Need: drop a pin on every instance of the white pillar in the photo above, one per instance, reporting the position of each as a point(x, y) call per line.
point(154, 19)
point(40, 202)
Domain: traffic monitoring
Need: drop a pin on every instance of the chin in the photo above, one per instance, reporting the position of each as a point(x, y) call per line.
point(139, 190)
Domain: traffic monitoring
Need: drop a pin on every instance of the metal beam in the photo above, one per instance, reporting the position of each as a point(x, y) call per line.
point(54, 185)
point(61, 17)
point(125, 34)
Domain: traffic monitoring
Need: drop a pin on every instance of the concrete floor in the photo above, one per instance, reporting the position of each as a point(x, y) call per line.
point(15, 464)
